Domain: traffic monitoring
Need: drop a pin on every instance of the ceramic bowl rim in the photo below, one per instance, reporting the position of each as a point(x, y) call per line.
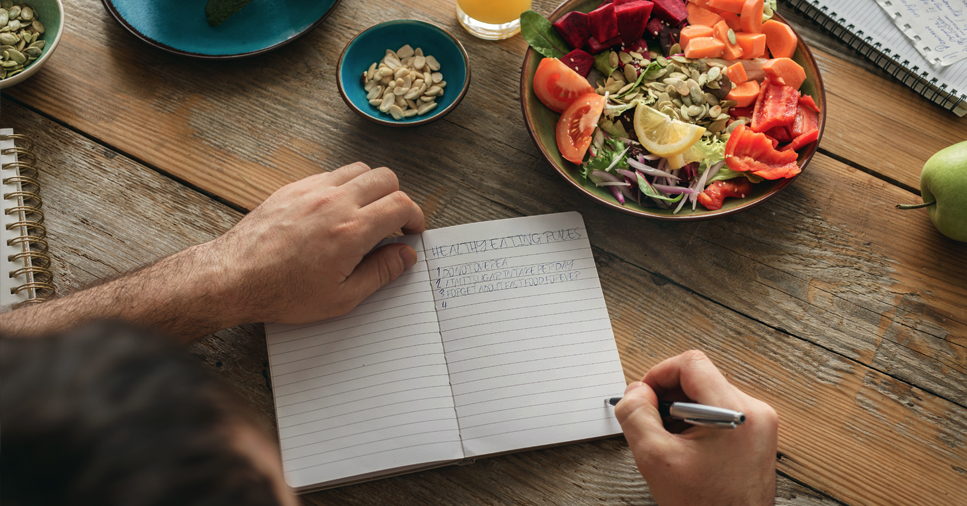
point(35, 66)
point(109, 5)
point(524, 100)
point(393, 123)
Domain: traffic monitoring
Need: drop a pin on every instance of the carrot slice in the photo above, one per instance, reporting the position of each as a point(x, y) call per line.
point(733, 20)
point(692, 31)
point(732, 51)
point(744, 94)
point(780, 39)
point(753, 44)
point(701, 16)
point(751, 16)
point(736, 74)
point(789, 71)
point(704, 47)
point(727, 5)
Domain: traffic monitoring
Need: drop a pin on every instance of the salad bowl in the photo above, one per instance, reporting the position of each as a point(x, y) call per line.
point(541, 123)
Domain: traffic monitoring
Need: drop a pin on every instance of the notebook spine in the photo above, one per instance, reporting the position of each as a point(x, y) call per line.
point(31, 236)
point(912, 77)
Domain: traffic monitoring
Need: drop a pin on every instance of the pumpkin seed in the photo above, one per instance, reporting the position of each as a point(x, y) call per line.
point(630, 73)
point(37, 25)
point(731, 36)
point(714, 74)
point(624, 57)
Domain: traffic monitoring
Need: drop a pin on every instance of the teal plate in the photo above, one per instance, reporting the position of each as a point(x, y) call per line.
point(180, 27)
point(370, 46)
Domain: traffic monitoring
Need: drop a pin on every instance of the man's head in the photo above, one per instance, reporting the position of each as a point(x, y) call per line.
point(110, 415)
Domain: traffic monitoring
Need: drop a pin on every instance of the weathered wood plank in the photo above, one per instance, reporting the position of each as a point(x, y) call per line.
point(107, 215)
point(843, 423)
point(242, 129)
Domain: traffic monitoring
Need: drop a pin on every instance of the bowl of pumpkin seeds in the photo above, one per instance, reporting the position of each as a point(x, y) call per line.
point(29, 32)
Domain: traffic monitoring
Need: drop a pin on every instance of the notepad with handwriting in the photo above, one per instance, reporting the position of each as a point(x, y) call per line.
point(497, 340)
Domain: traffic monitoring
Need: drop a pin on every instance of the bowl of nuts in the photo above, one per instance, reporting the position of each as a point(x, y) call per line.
point(403, 73)
point(29, 32)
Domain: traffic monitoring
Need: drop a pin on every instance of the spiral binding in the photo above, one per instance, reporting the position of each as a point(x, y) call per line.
point(32, 238)
point(921, 82)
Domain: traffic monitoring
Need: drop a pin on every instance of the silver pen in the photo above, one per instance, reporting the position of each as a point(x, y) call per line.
point(696, 414)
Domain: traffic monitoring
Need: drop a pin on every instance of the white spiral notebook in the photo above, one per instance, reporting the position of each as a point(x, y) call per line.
point(25, 275)
point(867, 28)
point(497, 340)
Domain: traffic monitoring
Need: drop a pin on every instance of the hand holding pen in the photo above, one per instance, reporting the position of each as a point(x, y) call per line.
point(732, 466)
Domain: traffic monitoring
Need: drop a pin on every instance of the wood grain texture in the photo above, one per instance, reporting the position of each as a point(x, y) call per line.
point(108, 215)
point(842, 421)
point(847, 315)
point(241, 129)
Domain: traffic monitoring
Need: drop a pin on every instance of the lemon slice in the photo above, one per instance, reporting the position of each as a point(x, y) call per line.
point(662, 135)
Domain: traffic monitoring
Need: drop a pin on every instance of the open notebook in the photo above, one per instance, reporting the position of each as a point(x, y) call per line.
point(497, 340)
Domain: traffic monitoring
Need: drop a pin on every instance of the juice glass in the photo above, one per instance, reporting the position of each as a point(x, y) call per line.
point(491, 19)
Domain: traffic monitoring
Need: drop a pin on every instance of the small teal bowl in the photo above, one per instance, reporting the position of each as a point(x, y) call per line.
point(51, 14)
point(370, 46)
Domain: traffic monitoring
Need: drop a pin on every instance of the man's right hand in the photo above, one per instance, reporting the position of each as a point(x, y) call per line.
point(301, 256)
point(700, 466)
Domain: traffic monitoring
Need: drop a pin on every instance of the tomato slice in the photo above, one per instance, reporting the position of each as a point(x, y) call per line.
point(576, 125)
point(557, 85)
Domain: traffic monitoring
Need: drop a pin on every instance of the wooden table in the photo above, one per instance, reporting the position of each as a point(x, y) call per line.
point(846, 315)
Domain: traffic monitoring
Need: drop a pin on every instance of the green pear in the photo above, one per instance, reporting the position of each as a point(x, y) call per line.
point(943, 186)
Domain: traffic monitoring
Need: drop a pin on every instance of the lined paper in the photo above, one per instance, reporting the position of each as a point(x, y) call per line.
point(945, 85)
point(528, 340)
point(368, 391)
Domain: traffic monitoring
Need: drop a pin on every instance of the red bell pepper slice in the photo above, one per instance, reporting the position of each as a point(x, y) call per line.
point(780, 134)
point(713, 196)
point(741, 112)
point(806, 120)
point(808, 101)
point(748, 151)
point(802, 140)
point(775, 106)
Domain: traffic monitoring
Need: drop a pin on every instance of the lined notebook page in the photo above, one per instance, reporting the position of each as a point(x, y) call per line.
point(527, 335)
point(367, 391)
point(867, 17)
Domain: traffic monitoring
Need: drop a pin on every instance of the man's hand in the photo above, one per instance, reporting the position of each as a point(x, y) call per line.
point(700, 465)
point(297, 258)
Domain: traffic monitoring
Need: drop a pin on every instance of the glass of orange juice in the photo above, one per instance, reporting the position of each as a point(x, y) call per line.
point(492, 19)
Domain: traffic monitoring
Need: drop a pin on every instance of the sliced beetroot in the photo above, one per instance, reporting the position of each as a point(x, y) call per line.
point(603, 24)
point(653, 27)
point(595, 47)
point(672, 12)
point(573, 28)
point(632, 18)
point(638, 46)
point(579, 61)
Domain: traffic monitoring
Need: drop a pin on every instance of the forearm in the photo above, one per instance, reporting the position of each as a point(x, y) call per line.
point(183, 295)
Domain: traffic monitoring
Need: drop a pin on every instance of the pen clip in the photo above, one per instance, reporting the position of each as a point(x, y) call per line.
point(712, 424)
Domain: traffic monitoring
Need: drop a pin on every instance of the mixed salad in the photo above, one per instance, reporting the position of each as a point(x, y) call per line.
point(671, 103)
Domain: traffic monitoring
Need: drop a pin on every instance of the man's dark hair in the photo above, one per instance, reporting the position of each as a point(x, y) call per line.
point(110, 414)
